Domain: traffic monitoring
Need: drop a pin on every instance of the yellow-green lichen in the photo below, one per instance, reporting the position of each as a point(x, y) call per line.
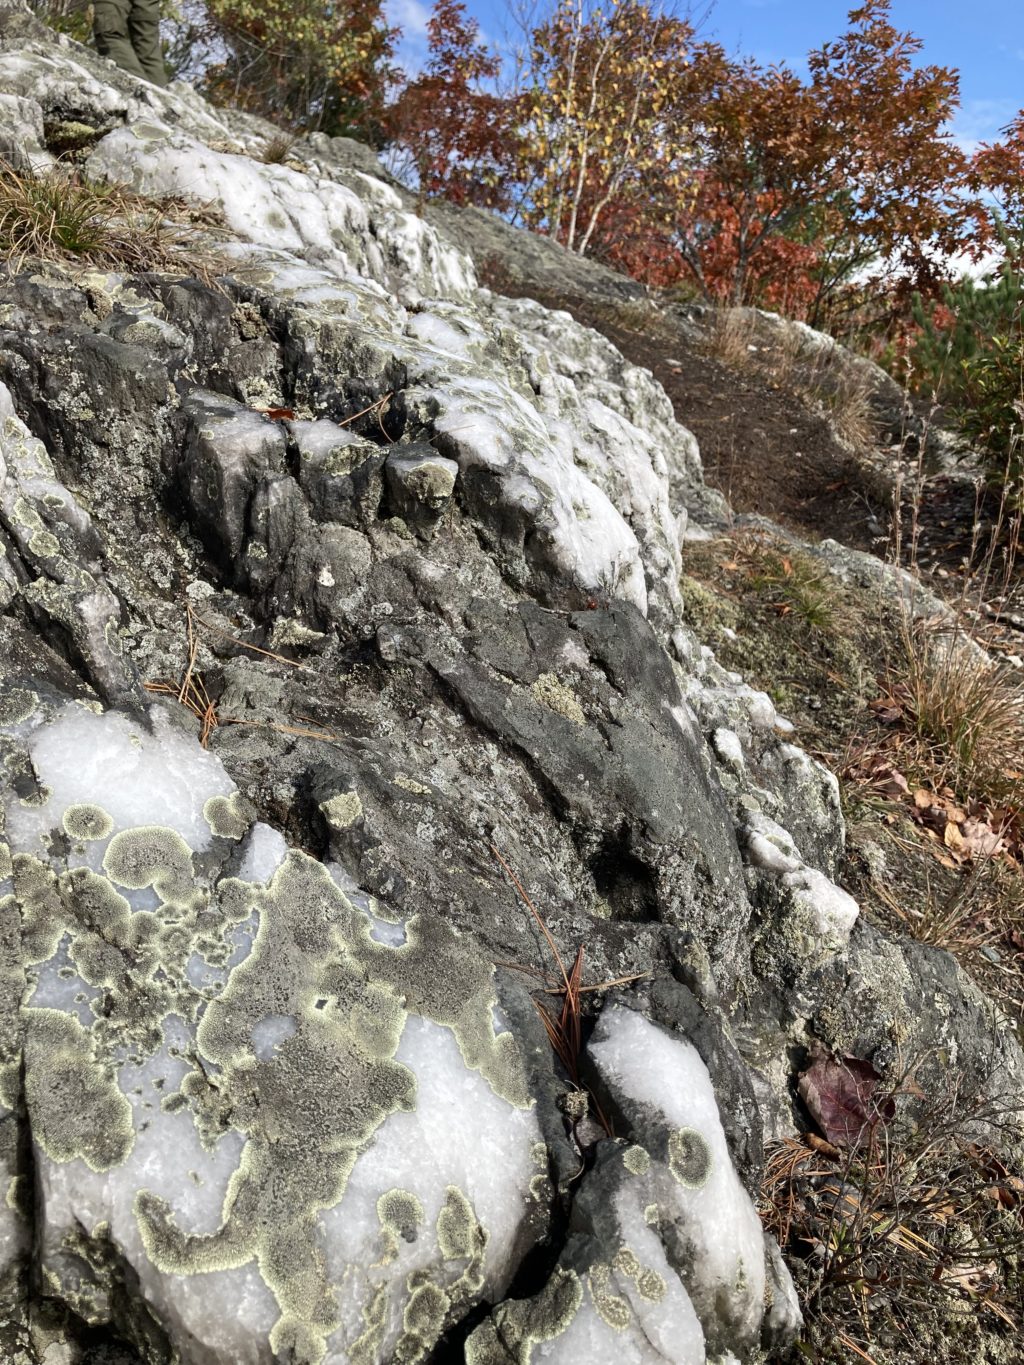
point(459, 1235)
point(400, 1214)
point(651, 1285)
point(554, 694)
point(636, 1160)
point(517, 1325)
point(229, 817)
point(17, 705)
point(422, 1322)
point(441, 975)
point(76, 1107)
point(343, 810)
point(150, 856)
point(44, 544)
point(365, 1350)
point(689, 1158)
point(611, 1308)
point(87, 822)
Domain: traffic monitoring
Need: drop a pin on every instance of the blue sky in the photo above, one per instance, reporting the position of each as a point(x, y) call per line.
point(983, 38)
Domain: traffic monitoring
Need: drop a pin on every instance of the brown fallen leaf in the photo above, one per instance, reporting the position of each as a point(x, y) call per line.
point(952, 838)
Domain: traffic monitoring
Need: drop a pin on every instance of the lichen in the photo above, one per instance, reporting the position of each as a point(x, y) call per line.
point(343, 810)
point(611, 1308)
point(229, 817)
point(518, 1324)
point(77, 1108)
point(87, 822)
point(689, 1158)
point(400, 1214)
point(636, 1160)
point(551, 692)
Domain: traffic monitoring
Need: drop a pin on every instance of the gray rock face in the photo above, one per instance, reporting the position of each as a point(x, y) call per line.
point(272, 1085)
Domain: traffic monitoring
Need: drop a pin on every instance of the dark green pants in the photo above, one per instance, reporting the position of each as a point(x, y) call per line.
point(128, 32)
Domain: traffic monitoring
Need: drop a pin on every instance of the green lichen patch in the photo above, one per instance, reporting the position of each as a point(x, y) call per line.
point(76, 1106)
point(611, 1308)
point(636, 1160)
point(518, 1324)
point(17, 704)
point(229, 817)
point(551, 692)
point(365, 1350)
point(87, 822)
point(44, 544)
point(442, 976)
point(42, 913)
point(150, 856)
point(651, 1286)
point(307, 1114)
point(342, 811)
point(400, 1215)
point(422, 1322)
point(689, 1158)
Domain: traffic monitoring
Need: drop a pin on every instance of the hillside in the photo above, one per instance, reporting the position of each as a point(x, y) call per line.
point(424, 934)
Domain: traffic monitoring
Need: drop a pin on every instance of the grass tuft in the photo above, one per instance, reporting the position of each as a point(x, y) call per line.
point(61, 216)
point(966, 711)
point(277, 149)
point(730, 338)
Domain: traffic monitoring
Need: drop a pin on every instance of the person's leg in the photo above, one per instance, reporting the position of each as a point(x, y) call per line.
point(110, 30)
point(144, 28)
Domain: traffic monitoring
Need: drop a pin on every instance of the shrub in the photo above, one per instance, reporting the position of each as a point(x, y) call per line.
point(306, 65)
point(970, 354)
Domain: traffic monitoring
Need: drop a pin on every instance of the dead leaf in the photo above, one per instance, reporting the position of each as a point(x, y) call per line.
point(277, 414)
point(842, 1099)
point(952, 838)
point(981, 840)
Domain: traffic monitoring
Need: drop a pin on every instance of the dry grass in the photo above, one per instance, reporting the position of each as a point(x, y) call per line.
point(563, 1023)
point(966, 711)
point(277, 149)
point(788, 362)
point(61, 216)
point(730, 337)
point(916, 1234)
point(850, 413)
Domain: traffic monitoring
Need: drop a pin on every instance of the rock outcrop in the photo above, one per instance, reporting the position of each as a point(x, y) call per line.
point(272, 1086)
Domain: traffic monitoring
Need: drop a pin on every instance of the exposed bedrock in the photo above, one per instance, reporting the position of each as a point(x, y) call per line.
point(320, 585)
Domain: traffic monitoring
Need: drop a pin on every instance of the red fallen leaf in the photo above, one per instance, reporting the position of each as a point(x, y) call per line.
point(277, 414)
point(841, 1096)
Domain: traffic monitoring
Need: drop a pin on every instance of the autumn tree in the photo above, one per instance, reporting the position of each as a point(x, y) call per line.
point(997, 177)
point(852, 172)
point(597, 112)
point(306, 64)
point(454, 132)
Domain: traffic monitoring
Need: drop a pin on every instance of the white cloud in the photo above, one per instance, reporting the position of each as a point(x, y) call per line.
point(982, 120)
point(411, 16)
